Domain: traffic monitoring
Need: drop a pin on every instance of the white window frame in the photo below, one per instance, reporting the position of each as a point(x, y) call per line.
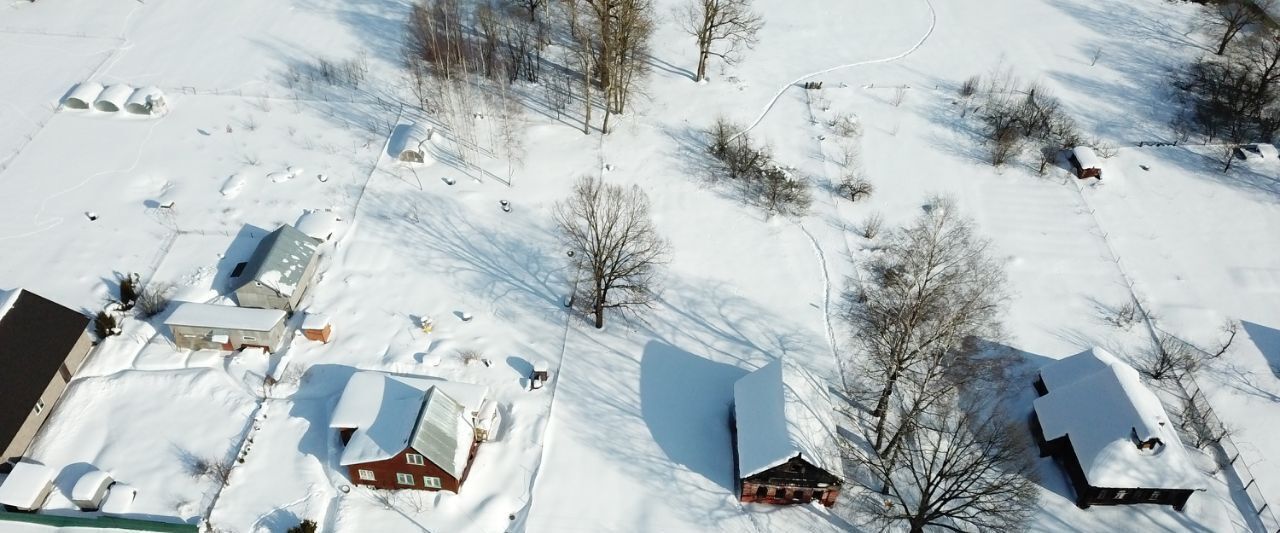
point(366, 475)
point(431, 482)
point(414, 459)
point(39, 406)
point(404, 479)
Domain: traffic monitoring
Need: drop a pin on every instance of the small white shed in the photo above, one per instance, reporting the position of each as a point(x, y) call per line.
point(26, 487)
point(146, 101)
point(91, 489)
point(83, 96)
point(112, 98)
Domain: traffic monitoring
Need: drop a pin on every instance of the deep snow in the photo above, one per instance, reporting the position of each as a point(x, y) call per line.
point(631, 433)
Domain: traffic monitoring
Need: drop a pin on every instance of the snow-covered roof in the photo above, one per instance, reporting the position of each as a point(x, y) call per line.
point(84, 95)
point(280, 260)
point(315, 321)
point(112, 98)
point(321, 225)
point(783, 411)
point(25, 485)
point(87, 487)
point(1102, 406)
point(388, 412)
point(1086, 157)
point(140, 100)
point(119, 499)
point(224, 317)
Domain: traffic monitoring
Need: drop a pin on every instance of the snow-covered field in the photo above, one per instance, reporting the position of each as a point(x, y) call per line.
point(631, 434)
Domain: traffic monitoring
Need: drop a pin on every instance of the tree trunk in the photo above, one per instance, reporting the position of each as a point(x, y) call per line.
point(1226, 39)
point(702, 66)
point(599, 312)
point(586, 100)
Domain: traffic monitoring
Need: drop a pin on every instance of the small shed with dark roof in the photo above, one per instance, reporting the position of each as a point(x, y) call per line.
point(279, 272)
point(42, 344)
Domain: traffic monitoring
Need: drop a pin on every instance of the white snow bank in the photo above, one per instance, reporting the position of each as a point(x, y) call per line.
point(1105, 411)
point(26, 486)
point(781, 411)
point(87, 487)
point(119, 499)
point(233, 186)
point(224, 317)
point(323, 225)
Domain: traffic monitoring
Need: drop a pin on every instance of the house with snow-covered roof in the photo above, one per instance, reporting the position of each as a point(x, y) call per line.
point(42, 345)
point(1111, 434)
point(279, 272)
point(199, 326)
point(785, 437)
point(411, 432)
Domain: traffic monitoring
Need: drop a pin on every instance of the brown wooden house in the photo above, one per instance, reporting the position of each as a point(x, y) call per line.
point(42, 345)
point(785, 437)
point(1085, 162)
point(1110, 434)
point(411, 432)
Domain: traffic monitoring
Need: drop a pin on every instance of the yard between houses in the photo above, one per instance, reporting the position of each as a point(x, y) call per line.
point(632, 432)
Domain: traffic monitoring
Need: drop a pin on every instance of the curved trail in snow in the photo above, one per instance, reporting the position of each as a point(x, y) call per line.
point(933, 23)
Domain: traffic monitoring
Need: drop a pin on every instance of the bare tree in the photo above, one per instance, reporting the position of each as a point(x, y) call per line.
point(611, 38)
point(722, 29)
point(933, 287)
point(1170, 357)
point(614, 244)
point(1230, 17)
point(964, 468)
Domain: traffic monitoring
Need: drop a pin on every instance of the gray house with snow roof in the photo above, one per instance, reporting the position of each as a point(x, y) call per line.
point(279, 272)
point(1111, 434)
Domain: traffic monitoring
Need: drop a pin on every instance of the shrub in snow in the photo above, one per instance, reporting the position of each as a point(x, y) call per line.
point(970, 86)
point(105, 325)
point(469, 355)
point(154, 299)
point(871, 226)
point(761, 180)
point(845, 125)
point(854, 187)
point(128, 291)
point(306, 526)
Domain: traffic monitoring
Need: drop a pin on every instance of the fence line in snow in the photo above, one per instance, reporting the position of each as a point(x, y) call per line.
point(1227, 453)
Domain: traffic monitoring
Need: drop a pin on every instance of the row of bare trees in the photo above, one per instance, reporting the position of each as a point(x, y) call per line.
point(942, 454)
point(1017, 116)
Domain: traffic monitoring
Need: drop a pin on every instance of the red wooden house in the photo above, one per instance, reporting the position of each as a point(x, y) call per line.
point(411, 432)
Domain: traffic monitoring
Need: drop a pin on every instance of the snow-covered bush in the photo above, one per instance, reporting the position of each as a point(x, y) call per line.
point(105, 325)
point(154, 299)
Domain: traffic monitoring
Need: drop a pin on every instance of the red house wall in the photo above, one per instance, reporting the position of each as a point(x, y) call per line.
point(384, 472)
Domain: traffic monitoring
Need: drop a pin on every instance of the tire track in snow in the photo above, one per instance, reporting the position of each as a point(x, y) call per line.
point(933, 23)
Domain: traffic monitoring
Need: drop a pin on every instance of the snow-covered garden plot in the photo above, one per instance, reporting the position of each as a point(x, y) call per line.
point(164, 433)
point(1189, 236)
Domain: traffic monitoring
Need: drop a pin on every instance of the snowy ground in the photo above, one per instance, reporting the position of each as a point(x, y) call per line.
point(631, 434)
